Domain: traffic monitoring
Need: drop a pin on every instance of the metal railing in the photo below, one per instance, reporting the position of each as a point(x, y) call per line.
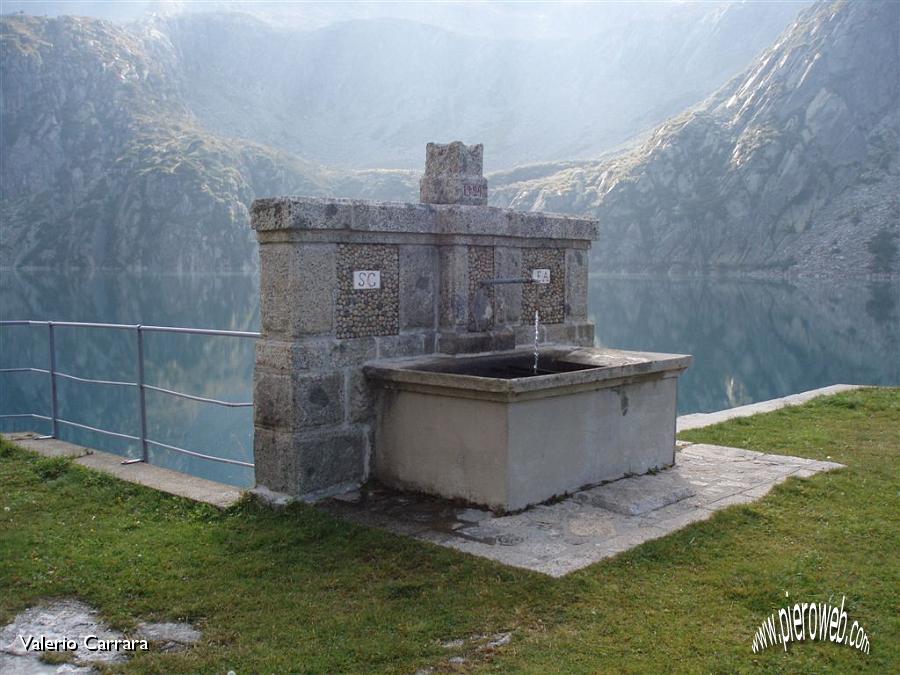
point(141, 385)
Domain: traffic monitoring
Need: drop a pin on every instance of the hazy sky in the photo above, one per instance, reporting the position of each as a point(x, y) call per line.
point(476, 17)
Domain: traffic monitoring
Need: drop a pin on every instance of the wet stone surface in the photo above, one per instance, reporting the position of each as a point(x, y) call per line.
point(592, 524)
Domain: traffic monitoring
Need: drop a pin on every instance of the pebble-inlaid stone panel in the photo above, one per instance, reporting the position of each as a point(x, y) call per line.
point(548, 299)
point(361, 313)
point(481, 298)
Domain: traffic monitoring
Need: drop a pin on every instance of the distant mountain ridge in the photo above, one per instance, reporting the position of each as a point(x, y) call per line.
point(104, 166)
point(792, 167)
point(362, 94)
point(142, 146)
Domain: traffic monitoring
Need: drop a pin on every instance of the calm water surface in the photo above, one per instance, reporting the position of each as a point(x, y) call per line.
point(213, 367)
point(751, 341)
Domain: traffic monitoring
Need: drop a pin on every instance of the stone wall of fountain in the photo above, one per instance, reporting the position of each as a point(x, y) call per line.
point(346, 282)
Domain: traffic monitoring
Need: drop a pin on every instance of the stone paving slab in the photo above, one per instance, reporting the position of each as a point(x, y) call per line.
point(640, 494)
point(156, 477)
point(590, 525)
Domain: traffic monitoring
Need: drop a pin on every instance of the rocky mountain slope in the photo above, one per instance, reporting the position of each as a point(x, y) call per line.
point(372, 93)
point(793, 167)
point(105, 166)
point(140, 146)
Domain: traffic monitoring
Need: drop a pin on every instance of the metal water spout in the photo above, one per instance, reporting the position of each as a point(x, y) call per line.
point(507, 280)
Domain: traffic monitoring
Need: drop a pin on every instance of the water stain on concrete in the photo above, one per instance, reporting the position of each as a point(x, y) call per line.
point(592, 524)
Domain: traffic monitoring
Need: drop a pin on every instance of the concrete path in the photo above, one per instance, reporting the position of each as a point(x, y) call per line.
point(697, 420)
point(591, 525)
point(158, 478)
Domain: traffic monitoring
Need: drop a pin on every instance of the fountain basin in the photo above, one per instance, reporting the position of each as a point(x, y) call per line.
point(488, 431)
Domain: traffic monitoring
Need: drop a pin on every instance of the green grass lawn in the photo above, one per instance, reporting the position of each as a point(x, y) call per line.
point(297, 591)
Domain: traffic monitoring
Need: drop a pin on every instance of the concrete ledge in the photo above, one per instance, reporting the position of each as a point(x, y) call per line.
point(158, 478)
point(699, 420)
point(451, 374)
point(318, 213)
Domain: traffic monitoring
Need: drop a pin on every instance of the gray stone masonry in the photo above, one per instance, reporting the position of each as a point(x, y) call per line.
point(320, 321)
point(453, 175)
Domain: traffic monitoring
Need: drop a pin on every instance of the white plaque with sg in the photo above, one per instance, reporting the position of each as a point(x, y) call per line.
point(364, 280)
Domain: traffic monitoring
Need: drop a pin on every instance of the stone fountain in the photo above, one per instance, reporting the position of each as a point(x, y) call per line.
point(398, 343)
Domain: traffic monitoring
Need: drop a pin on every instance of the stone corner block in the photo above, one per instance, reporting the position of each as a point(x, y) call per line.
point(576, 305)
point(297, 400)
point(454, 159)
point(272, 499)
point(289, 271)
point(299, 464)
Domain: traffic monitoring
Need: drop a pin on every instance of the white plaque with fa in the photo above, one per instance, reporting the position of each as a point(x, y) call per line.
point(540, 276)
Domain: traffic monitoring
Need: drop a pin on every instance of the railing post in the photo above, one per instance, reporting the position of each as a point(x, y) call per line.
point(141, 385)
point(140, 353)
point(54, 401)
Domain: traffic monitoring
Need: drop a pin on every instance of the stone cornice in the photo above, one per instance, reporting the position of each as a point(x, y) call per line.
point(315, 213)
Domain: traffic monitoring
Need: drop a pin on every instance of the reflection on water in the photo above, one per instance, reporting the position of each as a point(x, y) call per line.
point(751, 341)
point(213, 367)
point(754, 340)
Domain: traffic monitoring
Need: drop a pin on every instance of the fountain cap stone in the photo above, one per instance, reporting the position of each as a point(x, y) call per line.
point(453, 174)
point(455, 159)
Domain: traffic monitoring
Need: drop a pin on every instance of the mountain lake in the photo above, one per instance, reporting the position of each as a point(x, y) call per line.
point(751, 341)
